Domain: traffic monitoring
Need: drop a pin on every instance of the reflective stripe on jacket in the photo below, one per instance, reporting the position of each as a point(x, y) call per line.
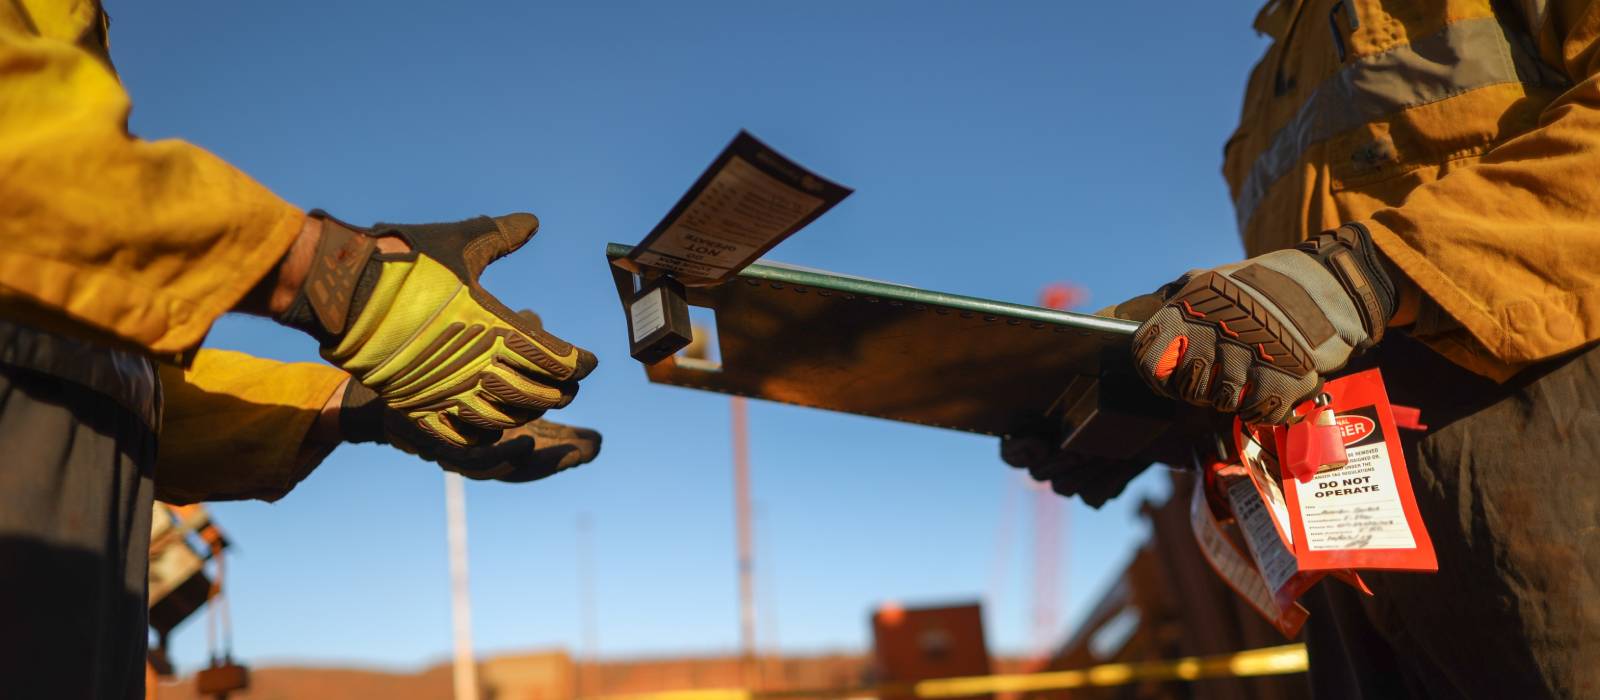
point(1464, 134)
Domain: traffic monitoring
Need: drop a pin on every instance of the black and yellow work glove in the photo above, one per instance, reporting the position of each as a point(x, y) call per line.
point(527, 452)
point(1256, 337)
point(418, 329)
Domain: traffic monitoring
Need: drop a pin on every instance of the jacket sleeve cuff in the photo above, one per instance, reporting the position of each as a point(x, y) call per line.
point(236, 426)
point(1495, 337)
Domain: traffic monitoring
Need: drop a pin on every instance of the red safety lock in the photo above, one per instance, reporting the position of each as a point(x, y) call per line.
point(1314, 443)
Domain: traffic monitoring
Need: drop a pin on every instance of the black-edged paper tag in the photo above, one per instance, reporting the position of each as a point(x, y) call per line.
point(749, 200)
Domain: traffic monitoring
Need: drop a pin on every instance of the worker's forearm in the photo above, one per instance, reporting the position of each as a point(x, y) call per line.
point(1408, 299)
point(325, 433)
point(237, 426)
point(1405, 313)
point(273, 294)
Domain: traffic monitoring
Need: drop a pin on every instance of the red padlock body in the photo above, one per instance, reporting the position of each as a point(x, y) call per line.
point(1314, 444)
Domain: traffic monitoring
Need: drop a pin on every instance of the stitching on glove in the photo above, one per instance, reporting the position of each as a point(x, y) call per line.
point(1219, 301)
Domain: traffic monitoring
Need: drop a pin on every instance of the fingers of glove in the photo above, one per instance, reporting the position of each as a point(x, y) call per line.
point(586, 361)
point(534, 451)
point(1160, 345)
point(585, 442)
point(435, 425)
point(516, 229)
point(1043, 471)
point(539, 353)
point(1230, 374)
point(484, 462)
point(1178, 362)
point(1109, 483)
point(1024, 451)
point(1191, 378)
point(514, 388)
point(474, 460)
point(535, 349)
point(481, 409)
point(1058, 465)
point(1073, 474)
point(1271, 395)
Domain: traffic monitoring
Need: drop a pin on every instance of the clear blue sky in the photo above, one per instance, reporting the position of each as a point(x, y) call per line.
point(994, 147)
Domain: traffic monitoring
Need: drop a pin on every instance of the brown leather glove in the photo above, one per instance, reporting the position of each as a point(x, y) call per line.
point(419, 329)
point(527, 452)
point(1256, 337)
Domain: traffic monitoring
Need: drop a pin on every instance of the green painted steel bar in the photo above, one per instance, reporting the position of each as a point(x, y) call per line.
point(844, 343)
point(788, 274)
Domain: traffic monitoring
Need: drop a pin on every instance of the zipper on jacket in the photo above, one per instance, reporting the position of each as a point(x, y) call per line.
point(1333, 25)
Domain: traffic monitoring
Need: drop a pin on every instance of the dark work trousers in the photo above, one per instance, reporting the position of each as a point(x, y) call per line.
point(1507, 478)
point(75, 500)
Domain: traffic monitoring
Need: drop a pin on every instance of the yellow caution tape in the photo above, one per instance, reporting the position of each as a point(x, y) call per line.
point(1269, 661)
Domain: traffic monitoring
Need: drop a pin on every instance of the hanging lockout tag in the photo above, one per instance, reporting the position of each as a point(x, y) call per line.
point(1231, 564)
point(1363, 515)
point(749, 200)
point(1314, 444)
point(1260, 509)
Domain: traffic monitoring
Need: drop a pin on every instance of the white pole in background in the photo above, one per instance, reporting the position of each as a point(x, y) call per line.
point(741, 507)
point(466, 670)
point(586, 607)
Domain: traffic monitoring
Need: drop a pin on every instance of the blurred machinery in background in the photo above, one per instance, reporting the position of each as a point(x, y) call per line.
point(1169, 604)
point(183, 542)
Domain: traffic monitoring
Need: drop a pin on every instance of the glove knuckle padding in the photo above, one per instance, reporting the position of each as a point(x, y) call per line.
point(1214, 300)
point(1320, 313)
point(1272, 324)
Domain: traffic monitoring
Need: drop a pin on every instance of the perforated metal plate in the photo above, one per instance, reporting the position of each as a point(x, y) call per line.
point(858, 346)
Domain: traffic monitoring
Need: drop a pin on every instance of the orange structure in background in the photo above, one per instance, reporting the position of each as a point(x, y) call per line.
point(923, 643)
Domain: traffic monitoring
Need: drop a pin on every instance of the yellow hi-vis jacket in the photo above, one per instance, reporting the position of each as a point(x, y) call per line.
point(143, 244)
point(1465, 134)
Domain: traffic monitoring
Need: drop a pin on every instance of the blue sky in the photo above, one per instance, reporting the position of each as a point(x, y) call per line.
point(994, 147)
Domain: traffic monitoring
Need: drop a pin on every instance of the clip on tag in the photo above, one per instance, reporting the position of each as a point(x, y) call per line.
point(1314, 443)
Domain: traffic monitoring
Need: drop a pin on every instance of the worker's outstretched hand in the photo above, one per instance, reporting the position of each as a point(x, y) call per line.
point(527, 452)
point(1256, 337)
point(399, 307)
